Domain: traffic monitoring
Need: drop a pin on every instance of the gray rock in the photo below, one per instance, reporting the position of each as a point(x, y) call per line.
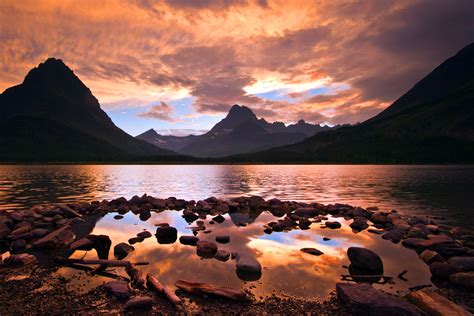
point(206, 249)
point(365, 260)
point(122, 250)
point(118, 288)
point(363, 299)
point(139, 302)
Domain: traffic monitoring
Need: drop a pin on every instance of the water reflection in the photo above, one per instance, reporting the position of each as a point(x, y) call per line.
point(438, 190)
point(286, 270)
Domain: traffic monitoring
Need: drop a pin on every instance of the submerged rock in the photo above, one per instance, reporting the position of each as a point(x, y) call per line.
point(166, 234)
point(118, 288)
point(206, 249)
point(365, 260)
point(333, 225)
point(363, 299)
point(248, 268)
point(312, 251)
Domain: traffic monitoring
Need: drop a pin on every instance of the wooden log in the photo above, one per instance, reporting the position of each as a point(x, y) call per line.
point(203, 289)
point(109, 263)
point(136, 276)
point(155, 284)
point(101, 273)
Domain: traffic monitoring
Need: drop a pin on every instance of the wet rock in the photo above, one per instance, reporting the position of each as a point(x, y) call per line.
point(122, 250)
point(18, 245)
point(118, 288)
point(206, 249)
point(166, 234)
point(102, 245)
point(304, 223)
point(333, 225)
point(255, 202)
point(463, 279)
point(376, 231)
point(223, 239)
point(135, 240)
point(4, 231)
point(248, 268)
point(326, 238)
point(188, 240)
point(139, 302)
point(306, 212)
point(365, 300)
point(144, 234)
point(442, 270)
point(58, 238)
point(219, 219)
point(394, 235)
point(380, 218)
point(20, 231)
point(118, 216)
point(67, 211)
point(189, 216)
point(429, 256)
point(431, 303)
point(365, 260)
point(144, 215)
point(312, 251)
point(222, 255)
point(412, 242)
point(462, 263)
point(82, 244)
point(359, 224)
point(20, 260)
point(268, 230)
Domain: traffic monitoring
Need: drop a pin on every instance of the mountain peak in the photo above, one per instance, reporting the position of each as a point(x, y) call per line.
point(241, 110)
point(150, 132)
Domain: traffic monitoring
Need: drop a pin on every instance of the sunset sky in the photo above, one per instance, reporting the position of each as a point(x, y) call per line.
point(178, 65)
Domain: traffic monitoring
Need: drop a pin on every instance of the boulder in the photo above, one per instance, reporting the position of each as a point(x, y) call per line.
point(20, 260)
point(102, 245)
point(394, 235)
point(429, 256)
point(222, 255)
point(304, 223)
point(139, 302)
point(188, 240)
point(462, 263)
point(118, 216)
point(363, 299)
point(359, 224)
point(58, 238)
point(463, 279)
point(306, 212)
point(333, 225)
point(365, 260)
point(432, 303)
point(223, 239)
point(312, 251)
point(248, 268)
point(39, 232)
point(18, 245)
point(122, 250)
point(166, 234)
point(144, 234)
point(118, 288)
point(219, 219)
point(206, 249)
point(134, 240)
point(67, 211)
point(443, 270)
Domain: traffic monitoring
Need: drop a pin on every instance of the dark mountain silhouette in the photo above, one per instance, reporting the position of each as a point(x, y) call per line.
point(431, 123)
point(52, 115)
point(239, 132)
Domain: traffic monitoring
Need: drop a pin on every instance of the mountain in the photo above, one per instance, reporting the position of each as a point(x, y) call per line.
point(52, 115)
point(239, 132)
point(432, 123)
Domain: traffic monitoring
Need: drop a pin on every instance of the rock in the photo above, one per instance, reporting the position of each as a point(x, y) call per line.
point(20, 260)
point(463, 279)
point(166, 234)
point(20, 231)
point(39, 232)
point(412, 242)
point(359, 224)
point(139, 302)
point(394, 235)
point(122, 250)
point(4, 231)
point(82, 244)
point(134, 240)
point(58, 238)
point(144, 215)
point(434, 241)
point(306, 212)
point(188, 240)
point(365, 300)
point(219, 219)
point(67, 211)
point(380, 218)
point(144, 234)
point(333, 225)
point(222, 255)
point(268, 230)
point(118, 288)
point(223, 239)
point(18, 245)
point(304, 223)
point(432, 303)
point(326, 238)
point(190, 216)
point(102, 245)
point(442, 270)
point(365, 260)
point(462, 263)
point(248, 268)
point(118, 216)
point(312, 251)
point(255, 202)
point(376, 231)
point(206, 249)
point(429, 256)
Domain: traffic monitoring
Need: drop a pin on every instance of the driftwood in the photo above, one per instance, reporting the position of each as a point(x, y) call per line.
point(203, 288)
point(136, 276)
point(154, 283)
point(401, 275)
point(101, 273)
point(109, 263)
point(352, 278)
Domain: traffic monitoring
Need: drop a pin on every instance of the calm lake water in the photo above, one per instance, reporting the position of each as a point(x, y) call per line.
point(433, 190)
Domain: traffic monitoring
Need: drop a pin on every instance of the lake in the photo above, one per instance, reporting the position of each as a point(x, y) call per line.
point(432, 190)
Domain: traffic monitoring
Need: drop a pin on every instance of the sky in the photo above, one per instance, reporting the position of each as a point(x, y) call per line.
point(179, 65)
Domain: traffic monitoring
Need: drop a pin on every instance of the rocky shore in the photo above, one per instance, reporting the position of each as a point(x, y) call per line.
point(34, 242)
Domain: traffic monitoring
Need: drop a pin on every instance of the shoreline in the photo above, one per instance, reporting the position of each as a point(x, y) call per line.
point(436, 243)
